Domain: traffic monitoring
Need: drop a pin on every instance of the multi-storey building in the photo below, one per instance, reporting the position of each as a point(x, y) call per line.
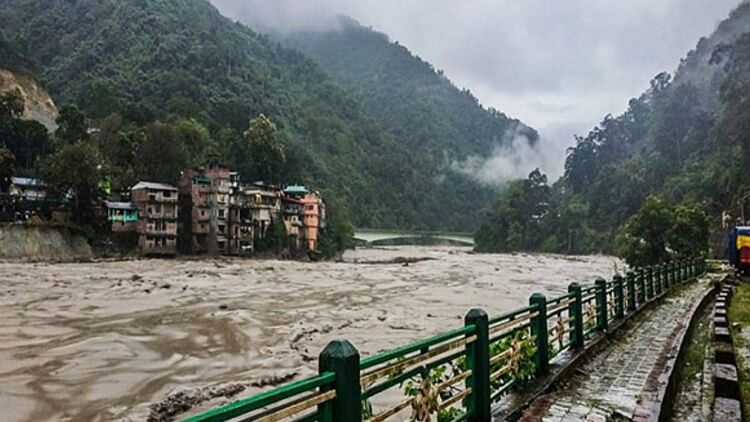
point(204, 203)
point(313, 218)
point(157, 217)
point(253, 209)
point(122, 216)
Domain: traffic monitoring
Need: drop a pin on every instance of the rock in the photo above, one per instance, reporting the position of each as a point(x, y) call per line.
point(146, 291)
point(223, 306)
point(736, 326)
point(381, 318)
point(136, 277)
point(166, 286)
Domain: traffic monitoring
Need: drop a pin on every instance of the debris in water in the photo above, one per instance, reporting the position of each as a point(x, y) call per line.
point(223, 306)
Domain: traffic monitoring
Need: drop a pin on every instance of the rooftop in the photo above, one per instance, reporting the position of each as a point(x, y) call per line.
point(26, 181)
point(119, 205)
point(153, 185)
point(295, 189)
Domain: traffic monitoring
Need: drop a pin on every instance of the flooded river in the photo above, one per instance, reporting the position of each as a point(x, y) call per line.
point(103, 341)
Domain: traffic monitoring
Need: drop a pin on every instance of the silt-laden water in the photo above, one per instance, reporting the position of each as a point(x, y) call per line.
point(103, 341)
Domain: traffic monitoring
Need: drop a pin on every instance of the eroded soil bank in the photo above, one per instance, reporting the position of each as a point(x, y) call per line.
point(103, 341)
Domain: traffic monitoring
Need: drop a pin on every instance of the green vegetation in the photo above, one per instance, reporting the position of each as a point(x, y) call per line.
point(420, 108)
point(171, 82)
point(657, 233)
point(739, 313)
point(686, 140)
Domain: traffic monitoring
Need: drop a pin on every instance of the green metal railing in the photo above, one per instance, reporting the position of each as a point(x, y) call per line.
point(459, 374)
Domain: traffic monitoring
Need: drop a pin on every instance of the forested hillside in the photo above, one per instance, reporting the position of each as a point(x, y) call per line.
point(147, 71)
point(417, 104)
point(686, 140)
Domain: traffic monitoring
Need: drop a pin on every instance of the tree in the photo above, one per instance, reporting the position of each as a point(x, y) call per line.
point(338, 234)
point(75, 168)
point(689, 234)
point(71, 125)
point(7, 168)
point(262, 153)
point(162, 156)
point(11, 106)
point(646, 234)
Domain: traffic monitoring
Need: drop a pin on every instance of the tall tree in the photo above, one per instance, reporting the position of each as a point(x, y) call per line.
point(71, 125)
point(75, 168)
point(7, 168)
point(262, 154)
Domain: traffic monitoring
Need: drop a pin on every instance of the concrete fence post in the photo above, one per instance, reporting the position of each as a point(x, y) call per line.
point(342, 358)
point(630, 279)
point(619, 299)
point(601, 304)
point(478, 361)
point(650, 282)
point(539, 329)
point(575, 313)
point(658, 288)
point(641, 287)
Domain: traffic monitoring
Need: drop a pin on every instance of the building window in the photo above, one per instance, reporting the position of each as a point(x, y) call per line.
point(167, 194)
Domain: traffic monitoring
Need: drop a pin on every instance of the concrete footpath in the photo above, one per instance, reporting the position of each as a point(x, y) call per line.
point(623, 380)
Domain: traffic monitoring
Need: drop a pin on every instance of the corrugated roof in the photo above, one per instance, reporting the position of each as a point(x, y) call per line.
point(26, 181)
point(296, 189)
point(153, 185)
point(119, 205)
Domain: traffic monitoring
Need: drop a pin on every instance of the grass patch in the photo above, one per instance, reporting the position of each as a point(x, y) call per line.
point(739, 312)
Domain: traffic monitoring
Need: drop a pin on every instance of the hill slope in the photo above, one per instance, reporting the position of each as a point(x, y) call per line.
point(148, 59)
point(685, 139)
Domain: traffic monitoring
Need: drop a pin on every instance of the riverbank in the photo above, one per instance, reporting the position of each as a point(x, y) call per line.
point(105, 340)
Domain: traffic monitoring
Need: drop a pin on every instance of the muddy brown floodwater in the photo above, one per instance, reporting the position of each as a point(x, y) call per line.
point(103, 341)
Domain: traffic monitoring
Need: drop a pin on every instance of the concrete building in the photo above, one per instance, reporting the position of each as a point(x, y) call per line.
point(313, 214)
point(157, 217)
point(253, 210)
point(27, 189)
point(122, 216)
point(205, 206)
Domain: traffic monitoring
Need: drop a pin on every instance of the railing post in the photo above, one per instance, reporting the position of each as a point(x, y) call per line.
point(673, 268)
point(539, 329)
point(601, 304)
point(641, 287)
point(630, 278)
point(650, 282)
point(665, 274)
point(478, 361)
point(684, 269)
point(619, 299)
point(657, 281)
point(692, 267)
point(342, 358)
point(575, 313)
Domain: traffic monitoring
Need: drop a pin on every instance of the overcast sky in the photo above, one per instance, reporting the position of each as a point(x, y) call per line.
point(558, 65)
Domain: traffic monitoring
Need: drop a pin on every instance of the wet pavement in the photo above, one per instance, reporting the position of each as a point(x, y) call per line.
point(105, 341)
point(615, 383)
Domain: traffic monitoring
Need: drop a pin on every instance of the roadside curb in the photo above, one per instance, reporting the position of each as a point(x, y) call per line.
point(661, 388)
point(727, 406)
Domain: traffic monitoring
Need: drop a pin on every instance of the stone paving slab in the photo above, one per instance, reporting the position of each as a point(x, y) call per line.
point(611, 384)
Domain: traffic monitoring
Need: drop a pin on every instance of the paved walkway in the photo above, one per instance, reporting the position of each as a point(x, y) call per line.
point(613, 384)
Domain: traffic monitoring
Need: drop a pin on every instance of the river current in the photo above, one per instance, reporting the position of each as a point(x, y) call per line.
point(106, 340)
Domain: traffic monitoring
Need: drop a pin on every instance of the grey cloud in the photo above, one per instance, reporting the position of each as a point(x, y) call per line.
point(550, 63)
